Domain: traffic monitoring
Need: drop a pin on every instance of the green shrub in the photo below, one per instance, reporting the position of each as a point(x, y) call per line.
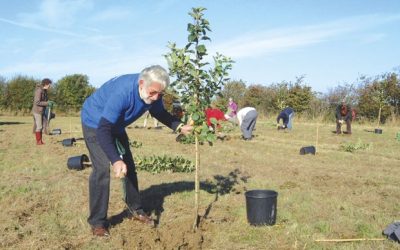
point(156, 164)
point(352, 147)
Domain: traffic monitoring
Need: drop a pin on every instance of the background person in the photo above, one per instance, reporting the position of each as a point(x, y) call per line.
point(247, 118)
point(343, 115)
point(213, 112)
point(148, 116)
point(286, 115)
point(40, 102)
point(105, 115)
point(232, 108)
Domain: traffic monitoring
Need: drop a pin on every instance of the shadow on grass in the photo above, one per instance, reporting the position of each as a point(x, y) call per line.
point(154, 196)
point(343, 132)
point(11, 123)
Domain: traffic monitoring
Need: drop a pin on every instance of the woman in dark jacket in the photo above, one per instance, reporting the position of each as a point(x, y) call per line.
point(40, 102)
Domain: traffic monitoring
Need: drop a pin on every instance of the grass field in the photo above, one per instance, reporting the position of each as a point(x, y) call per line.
point(334, 194)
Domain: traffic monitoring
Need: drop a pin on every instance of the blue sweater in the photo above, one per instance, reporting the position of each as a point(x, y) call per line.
point(114, 106)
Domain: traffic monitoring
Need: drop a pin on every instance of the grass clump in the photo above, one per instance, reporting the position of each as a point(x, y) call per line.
point(352, 147)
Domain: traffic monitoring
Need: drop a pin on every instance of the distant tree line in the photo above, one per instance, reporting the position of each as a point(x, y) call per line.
point(373, 98)
point(69, 93)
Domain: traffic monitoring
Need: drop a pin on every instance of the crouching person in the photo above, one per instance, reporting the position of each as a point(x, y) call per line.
point(343, 115)
point(247, 118)
point(287, 118)
point(105, 115)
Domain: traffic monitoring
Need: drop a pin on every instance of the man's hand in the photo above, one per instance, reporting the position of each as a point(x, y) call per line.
point(50, 104)
point(341, 121)
point(120, 169)
point(186, 129)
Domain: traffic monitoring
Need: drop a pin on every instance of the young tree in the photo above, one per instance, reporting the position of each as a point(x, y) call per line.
point(380, 96)
point(235, 90)
point(197, 85)
point(280, 95)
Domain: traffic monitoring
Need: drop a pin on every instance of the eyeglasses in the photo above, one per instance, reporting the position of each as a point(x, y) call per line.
point(154, 93)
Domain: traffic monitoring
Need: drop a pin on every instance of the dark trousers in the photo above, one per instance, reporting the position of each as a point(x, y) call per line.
point(339, 127)
point(99, 180)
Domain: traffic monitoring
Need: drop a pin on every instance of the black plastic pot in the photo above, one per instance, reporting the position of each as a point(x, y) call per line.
point(378, 131)
point(307, 150)
point(68, 142)
point(78, 162)
point(56, 131)
point(261, 207)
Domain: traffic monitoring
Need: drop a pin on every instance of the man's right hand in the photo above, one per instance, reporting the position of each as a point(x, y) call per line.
point(120, 169)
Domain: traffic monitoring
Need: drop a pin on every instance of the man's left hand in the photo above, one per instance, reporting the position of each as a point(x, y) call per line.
point(186, 129)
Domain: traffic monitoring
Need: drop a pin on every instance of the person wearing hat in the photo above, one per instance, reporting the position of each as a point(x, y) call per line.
point(343, 115)
point(40, 102)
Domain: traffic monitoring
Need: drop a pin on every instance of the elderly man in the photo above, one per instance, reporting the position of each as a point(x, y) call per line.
point(105, 114)
point(343, 115)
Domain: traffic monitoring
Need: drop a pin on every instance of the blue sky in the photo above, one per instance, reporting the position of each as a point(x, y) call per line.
point(329, 42)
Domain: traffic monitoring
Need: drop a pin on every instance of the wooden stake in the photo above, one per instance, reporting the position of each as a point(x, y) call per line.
point(197, 182)
point(316, 140)
point(349, 240)
point(70, 125)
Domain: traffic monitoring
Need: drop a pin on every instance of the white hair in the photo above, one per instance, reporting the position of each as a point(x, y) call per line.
point(153, 74)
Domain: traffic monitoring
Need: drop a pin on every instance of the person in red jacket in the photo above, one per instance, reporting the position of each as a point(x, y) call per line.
point(214, 113)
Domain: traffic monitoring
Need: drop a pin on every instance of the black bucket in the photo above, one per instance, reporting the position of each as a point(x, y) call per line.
point(378, 131)
point(261, 207)
point(68, 142)
point(56, 131)
point(307, 150)
point(76, 162)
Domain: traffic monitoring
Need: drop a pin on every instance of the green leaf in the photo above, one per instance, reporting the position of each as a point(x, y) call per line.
point(201, 48)
point(195, 117)
point(211, 137)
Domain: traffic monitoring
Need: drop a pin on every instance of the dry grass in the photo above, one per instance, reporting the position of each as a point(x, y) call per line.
point(333, 194)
